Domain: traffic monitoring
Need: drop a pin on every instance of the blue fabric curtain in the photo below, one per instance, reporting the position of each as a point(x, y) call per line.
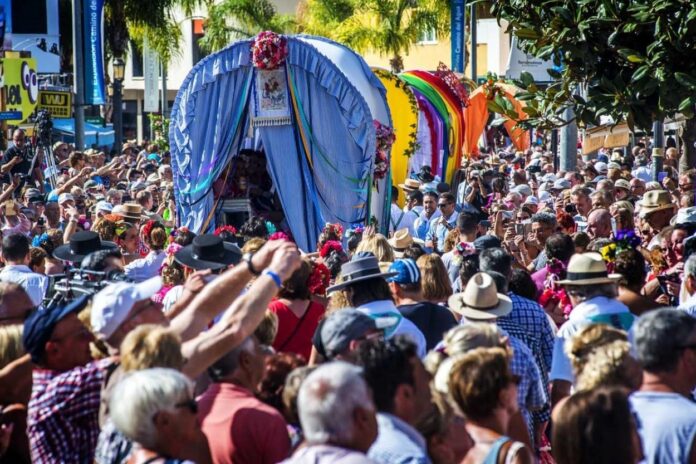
point(206, 129)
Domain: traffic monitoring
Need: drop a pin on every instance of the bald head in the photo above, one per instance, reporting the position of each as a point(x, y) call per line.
point(15, 304)
point(599, 224)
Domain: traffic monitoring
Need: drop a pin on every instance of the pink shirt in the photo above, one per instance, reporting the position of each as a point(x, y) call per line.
point(240, 428)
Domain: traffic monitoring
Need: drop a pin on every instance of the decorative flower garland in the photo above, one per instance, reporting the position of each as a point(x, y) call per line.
point(385, 140)
point(319, 279)
point(269, 50)
point(413, 144)
point(623, 240)
point(230, 229)
point(444, 73)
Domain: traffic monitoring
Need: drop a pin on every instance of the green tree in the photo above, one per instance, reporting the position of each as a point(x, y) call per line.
point(235, 19)
point(633, 60)
point(389, 27)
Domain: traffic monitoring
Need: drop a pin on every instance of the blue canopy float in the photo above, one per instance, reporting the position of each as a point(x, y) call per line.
point(94, 135)
point(311, 103)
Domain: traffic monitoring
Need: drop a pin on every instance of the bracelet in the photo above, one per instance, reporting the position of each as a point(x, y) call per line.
point(247, 258)
point(274, 276)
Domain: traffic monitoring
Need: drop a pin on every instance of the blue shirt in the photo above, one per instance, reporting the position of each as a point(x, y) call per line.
point(397, 442)
point(422, 224)
point(666, 424)
point(438, 231)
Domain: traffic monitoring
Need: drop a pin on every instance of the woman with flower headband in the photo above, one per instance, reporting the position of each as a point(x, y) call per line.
point(155, 237)
point(298, 313)
point(127, 240)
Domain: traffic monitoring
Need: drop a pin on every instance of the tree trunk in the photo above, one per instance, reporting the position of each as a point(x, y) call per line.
point(688, 138)
point(116, 29)
point(396, 64)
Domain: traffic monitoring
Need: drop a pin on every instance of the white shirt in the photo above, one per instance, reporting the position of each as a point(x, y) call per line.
point(585, 313)
point(387, 309)
point(689, 306)
point(34, 284)
point(399, 219)
point(172, 297)
point(147, 267)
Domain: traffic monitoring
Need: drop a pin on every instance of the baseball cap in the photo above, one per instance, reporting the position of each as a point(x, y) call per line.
point(39, 326)
point(522, 189)
point(111, 306)
point(138, 186)
point(104, 206)
point(622, 183)
point(334, 334)
point(485, 242)
point(91, 184)
point(613, 165)
point(531, 200)
point(561, 184)
point(65, 197)
point(406, 270)
point(602, 158)
point(601, 167)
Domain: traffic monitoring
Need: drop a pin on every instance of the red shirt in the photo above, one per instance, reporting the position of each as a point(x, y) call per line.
point(240, 428)
point(295, 334)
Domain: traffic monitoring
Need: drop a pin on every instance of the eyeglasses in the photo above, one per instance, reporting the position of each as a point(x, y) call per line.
point(443, 205)
point(190, 404)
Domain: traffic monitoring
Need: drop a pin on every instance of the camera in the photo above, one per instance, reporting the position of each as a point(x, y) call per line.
point(571, 209)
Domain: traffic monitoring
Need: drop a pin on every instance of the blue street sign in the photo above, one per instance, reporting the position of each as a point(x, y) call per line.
point(457, 35)
point(10, 115)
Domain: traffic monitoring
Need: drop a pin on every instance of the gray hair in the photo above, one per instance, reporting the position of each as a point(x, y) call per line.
point(229, 362)
point(139, 396)
point(587, 292)
point(690, 266)
point(546, 219)
point(327, 399)
point(660, 337)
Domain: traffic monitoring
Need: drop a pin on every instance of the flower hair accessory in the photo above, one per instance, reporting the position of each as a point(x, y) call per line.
point(39, 240)
point(172, 248)
point(333, 229)
point(230, 229)
point(269, 50)
point(270, 228)
point(357, 230)
point(319, 279)
point(147, 228)
point(329, 246)
point(280, 235)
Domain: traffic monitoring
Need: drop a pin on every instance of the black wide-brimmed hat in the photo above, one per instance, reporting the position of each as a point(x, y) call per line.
point(425, 175)
point(82, 244)
point(360, 268)
point(208, 252)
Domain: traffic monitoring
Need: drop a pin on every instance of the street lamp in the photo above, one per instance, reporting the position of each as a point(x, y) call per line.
point(119, 71)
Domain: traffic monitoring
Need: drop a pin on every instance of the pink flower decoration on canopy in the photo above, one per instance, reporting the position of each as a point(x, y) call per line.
point(269, 50)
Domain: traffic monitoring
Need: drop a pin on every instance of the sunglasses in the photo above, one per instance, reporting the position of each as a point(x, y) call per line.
point(443, 205)
point(190, 404)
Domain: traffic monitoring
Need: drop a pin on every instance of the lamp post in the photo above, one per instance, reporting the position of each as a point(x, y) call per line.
point(119, 70)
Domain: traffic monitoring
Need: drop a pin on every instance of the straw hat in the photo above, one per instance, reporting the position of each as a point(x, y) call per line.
point(588, 269)
point(655, 200)
point(401, 239)
point(480, 299)
point(129, 210)
point(410, 185)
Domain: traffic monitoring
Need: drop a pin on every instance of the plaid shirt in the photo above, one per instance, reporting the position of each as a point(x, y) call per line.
point(528, 322)
point(63, 420)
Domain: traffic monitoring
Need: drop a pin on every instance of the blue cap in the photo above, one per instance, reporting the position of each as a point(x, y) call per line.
point(153, 157)
point(39, 326)
point(485, 242)
point(603, 158)
point(407, 272)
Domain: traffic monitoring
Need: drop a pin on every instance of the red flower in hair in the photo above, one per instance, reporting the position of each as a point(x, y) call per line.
point(329, 246)
point(279, 236)
point(231, 229)
point(319, 279)
point(147, 228)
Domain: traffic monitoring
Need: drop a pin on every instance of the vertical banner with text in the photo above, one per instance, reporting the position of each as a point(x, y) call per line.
point(457, 19)
point(93, 51)
point(151, 69)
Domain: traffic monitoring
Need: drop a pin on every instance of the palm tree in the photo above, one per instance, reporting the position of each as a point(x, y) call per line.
point(388, 27)
point(236, 19)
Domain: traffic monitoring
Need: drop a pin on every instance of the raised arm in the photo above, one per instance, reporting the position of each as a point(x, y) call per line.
point(220, 294)
point(243, 317)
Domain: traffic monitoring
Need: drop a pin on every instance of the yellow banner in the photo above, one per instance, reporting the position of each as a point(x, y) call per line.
point(56, 103)
point(592, 143)
point(21, 85)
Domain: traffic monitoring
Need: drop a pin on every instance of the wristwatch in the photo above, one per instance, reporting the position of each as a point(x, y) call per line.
point(247, 258)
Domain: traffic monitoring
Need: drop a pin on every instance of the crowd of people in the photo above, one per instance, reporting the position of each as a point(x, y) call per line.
point(520, 314)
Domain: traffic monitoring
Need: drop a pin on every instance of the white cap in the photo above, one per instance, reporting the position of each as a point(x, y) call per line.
point(545, 196)
point(613, 165)
point(686, 215)
point(549, 177)
point(522, 189)
point(561, 184)
point(531, 200)
point(601, 167)
point(104, 206)
point(65, 197)
point(111, 306)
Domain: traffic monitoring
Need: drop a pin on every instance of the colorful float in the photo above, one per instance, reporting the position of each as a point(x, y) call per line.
point(315, 111)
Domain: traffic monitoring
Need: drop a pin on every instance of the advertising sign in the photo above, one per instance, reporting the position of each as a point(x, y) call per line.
point(94, 56)
point(21, 86)
point(59, 104)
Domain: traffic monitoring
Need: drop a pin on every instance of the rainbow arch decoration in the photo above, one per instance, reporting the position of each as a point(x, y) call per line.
point(441, 123)
point(404, 111)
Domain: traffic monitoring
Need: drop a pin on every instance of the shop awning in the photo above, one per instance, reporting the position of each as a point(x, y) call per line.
point(94, 135)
